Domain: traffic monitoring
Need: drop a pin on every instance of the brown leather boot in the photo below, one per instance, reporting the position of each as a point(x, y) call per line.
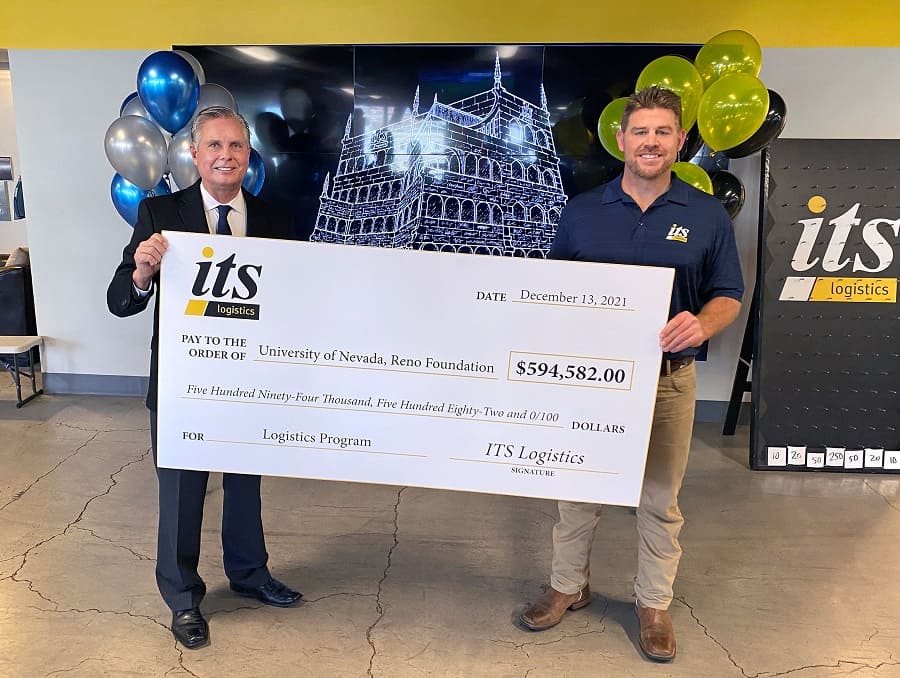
point(548, 610)
point(657, 633)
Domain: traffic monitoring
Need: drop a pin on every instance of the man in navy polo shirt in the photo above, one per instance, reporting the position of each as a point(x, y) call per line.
point(649, 217)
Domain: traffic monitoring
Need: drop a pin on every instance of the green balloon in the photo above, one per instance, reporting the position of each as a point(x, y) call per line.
point(679, 75)
point(727, 53)
point(608, 125)
point(731, 110)
point(694, 175)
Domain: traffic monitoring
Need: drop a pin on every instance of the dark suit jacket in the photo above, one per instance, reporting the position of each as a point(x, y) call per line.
point(181, 211)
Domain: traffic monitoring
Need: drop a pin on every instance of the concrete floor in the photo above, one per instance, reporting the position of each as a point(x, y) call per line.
point(783, 574)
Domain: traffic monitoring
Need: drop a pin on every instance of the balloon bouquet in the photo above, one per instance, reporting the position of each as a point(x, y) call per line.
point(151, 139)
point(724, 104)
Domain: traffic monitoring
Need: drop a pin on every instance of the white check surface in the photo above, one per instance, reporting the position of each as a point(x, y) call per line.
point(510, 376)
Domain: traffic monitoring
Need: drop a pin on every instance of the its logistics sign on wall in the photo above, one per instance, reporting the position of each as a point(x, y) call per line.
point(827, 374)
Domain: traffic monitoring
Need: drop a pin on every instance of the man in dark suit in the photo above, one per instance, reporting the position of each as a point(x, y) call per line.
point(220, 146)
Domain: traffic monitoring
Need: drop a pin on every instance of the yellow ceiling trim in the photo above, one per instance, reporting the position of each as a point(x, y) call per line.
point(101, 24)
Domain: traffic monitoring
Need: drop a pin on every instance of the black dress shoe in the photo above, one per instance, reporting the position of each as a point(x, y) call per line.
point(273, 592)
point(190, 628)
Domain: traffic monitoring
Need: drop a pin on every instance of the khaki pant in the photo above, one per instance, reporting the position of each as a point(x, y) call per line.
point(658, 519)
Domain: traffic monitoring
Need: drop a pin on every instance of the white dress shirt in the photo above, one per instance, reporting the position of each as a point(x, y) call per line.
point(237, 215)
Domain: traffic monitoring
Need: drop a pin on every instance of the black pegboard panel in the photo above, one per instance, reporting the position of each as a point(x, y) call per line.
point(827, 371)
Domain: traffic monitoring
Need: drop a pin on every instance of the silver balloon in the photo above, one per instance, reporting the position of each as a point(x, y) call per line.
point(192, 60)
point(181, 165)
point(137, 150)
point(135, 107)
point(214, 95)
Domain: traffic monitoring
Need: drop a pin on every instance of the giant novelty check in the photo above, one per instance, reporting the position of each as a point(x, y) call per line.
point(511, 376)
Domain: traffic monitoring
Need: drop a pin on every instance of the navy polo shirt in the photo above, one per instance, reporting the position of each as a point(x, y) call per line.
point(685, 229)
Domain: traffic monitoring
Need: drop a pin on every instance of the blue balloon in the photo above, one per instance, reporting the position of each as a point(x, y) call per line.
point(125, 102)
point(169, 89)
point(162, 188)
point(126, 196)
point(256, 173)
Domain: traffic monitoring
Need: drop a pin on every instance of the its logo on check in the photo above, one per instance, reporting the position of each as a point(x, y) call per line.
point(231, 282)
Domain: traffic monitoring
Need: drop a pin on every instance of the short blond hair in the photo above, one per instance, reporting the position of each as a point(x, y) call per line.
point(215, 113)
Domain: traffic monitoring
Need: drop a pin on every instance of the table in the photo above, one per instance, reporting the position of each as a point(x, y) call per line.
point(13, 347)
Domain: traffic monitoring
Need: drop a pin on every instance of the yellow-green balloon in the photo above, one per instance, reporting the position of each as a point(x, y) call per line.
point(679, 75)
point(694, 175)
point(727, 53)
point(731, 110)
point(608, 125)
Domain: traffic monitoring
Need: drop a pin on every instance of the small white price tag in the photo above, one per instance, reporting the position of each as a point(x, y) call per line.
point(853, 458)
point(796, 456)
point(892, 459)
point(874, 457)
point(777, 456)
point(815, 459)
point(834, 456)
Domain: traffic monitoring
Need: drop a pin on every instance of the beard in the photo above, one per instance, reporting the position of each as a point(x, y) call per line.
point(634, 167)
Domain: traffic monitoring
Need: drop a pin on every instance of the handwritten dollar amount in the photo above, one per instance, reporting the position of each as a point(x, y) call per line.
point(571, 370)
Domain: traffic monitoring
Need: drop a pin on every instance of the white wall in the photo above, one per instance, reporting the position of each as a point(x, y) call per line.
point(837, 93)
point(716, 375)
point(65, 100)
point(12, 233)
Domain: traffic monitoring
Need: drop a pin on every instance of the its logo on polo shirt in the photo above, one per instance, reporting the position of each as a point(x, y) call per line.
point(678, 233)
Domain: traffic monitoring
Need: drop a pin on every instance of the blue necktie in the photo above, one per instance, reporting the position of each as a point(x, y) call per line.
point(222, 227)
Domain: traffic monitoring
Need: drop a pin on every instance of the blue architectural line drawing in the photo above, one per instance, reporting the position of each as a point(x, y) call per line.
point(480, 175)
